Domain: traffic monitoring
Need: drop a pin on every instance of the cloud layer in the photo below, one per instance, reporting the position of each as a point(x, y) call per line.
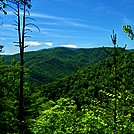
point(36, 43)
point(49, 43)
point(69, 45)
point(33, 43)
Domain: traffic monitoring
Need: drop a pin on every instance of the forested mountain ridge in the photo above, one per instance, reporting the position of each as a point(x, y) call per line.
point(82, 102)
point(94, 76)
point(47, 65)
point(92, 91)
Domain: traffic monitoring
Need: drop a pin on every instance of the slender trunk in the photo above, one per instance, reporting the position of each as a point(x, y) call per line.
point(115, 90)
point(114, 55)
point(21, 105)
point(21, 45)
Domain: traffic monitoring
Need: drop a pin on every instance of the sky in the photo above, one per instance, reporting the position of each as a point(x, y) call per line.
point(70, 23)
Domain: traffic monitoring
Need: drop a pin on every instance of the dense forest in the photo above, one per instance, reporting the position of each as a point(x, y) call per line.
point(63, 90)
point(82, 102)
point(47, 65)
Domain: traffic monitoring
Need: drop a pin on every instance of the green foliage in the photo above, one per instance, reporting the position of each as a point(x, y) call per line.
point(50, 64)
point(93, 87)
point(8, 97)
point(3, 5)
point(62, 117)
point(91, 123)
point(128, 30)
point(93, 77)
point(57, 118)
point(80, 103)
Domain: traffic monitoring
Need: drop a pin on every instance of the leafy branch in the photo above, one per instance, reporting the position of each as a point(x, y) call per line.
point(128, 30)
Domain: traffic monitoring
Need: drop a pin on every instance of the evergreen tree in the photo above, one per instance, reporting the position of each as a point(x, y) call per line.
point(120, 95)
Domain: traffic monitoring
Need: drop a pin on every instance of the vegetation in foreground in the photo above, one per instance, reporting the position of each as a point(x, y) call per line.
point(98, 99)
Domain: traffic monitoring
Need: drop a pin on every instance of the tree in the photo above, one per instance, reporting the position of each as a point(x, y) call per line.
point(3, 6)
point(61, 117)
point(20, 8)
point(56, 117)
point(9, 84)
point(117, 94)
point(128, 30)
point(21, 37)
point(1, 47)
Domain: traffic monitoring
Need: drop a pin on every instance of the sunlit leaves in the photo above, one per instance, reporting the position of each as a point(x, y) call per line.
point(128, 30)
point(9, 84)
point(90, 123)
point(58, 117)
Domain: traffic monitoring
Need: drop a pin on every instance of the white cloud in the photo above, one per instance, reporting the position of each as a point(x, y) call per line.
point(3, 39)
point(92, 27)
point(36, 43)
point(33, 43)
point(46, 16)
point(48, 43)
point(76, 24)
point(69, 45)
point(50, 23)
point(9, 27)
point(57, 18)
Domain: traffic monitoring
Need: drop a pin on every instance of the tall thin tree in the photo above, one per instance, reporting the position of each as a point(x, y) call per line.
point(114, 54)
point(21, 4)
point(21, 11)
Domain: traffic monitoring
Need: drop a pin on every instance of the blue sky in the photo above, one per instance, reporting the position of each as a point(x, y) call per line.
point(71, 23)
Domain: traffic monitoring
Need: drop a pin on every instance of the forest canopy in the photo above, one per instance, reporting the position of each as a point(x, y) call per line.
point(64, 90)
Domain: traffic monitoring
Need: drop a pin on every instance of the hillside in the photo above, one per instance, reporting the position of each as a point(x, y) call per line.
point(89, 82)
point(47, 65)
point(83, 102)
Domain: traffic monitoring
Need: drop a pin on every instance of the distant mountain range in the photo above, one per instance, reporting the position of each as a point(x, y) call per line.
point(48, 65)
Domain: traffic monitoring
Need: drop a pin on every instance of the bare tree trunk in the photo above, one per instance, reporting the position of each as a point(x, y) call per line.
point(115, 89)
point(21, 97)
